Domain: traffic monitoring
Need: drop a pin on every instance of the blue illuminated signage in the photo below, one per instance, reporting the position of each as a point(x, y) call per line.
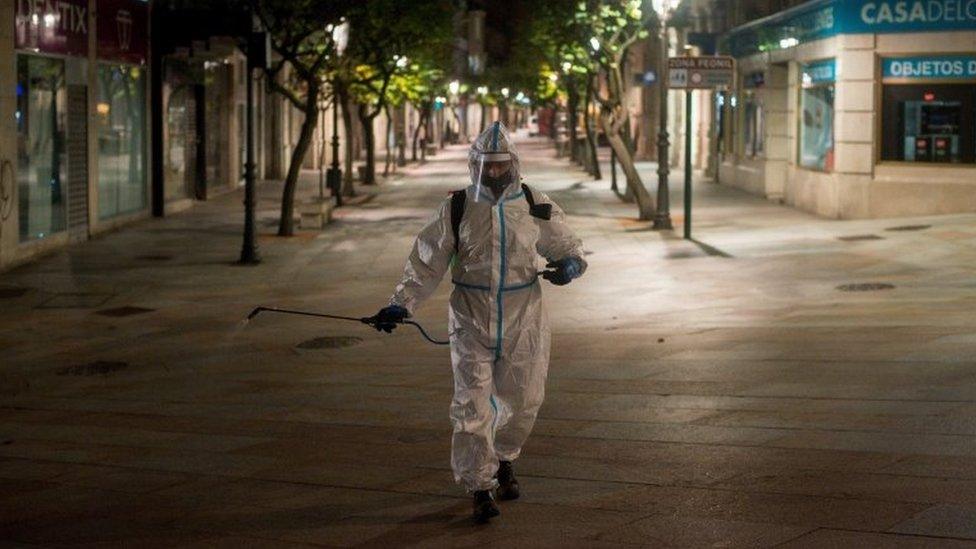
point(821, 72)
point(824, 18)
point(908, 16)
point(930, 68)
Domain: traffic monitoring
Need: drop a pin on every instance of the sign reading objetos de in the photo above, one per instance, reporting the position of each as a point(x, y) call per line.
point(929, 68)
point(705, 72)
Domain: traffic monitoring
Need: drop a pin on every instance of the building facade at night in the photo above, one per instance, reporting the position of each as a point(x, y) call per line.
point(74, 107)
point(855, 108)
point(104, 124)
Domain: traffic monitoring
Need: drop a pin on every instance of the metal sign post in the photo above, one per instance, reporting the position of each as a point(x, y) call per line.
point(689, 74)
point(688, 164)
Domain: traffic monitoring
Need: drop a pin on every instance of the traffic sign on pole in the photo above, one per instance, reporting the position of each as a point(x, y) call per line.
point(697, 73)
point(702, 73)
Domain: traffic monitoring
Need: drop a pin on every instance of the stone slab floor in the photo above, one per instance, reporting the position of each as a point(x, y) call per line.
point(716, 394)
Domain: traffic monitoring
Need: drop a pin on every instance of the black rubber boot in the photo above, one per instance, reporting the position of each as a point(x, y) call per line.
point(508, 486)
point(484, 506)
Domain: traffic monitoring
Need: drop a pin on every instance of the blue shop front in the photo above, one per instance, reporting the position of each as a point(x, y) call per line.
point(855, 108)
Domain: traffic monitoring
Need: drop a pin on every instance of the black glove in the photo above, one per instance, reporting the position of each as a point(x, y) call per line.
point(564, 271)
point(387, 319)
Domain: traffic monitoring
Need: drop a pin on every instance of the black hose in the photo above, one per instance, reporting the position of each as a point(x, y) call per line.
point(368, 320)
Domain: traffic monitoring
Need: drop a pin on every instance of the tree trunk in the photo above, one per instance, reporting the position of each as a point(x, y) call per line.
point(572, 106)
point(389, 130)
point(484, 118)
point(590, 138)
point(369, 143)
point(416, 133)
point(645, 204)
point(348, 188)
point(628, 196)
point(286, 226)
point(400, 136)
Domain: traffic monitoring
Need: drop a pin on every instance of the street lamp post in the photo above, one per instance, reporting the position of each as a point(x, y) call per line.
point(334, 173)
point(257, 57)
point(662, 218)
point(340, 35)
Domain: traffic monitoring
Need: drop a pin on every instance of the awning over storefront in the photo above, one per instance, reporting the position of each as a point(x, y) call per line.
point(820, 19)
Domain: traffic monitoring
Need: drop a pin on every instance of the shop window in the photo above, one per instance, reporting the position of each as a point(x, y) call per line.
point(732, 111)
point(753, 122)
point(120, 113)
point(929, 123)
point(817, 117)
point(41, 157)
point(180, 143)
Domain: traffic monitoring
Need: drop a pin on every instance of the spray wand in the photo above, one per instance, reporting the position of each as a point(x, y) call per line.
point(368, 320)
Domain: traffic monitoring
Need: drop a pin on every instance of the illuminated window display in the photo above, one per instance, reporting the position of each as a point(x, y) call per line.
point(817, 116)
point(41, 156)
point(928, 116)
point(121, 140)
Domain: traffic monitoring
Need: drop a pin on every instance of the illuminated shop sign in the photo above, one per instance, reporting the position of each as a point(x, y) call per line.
point(918, 14)
point(61, 27)
point(824, 18)
point(122, 30)
point(930, 68)
point(58, 27)
point(821, 72)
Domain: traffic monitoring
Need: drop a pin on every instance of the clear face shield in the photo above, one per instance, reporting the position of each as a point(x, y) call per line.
point(493, 163)
point(493, 175)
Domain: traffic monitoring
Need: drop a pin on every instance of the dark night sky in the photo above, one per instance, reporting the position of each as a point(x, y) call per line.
point(501, 23)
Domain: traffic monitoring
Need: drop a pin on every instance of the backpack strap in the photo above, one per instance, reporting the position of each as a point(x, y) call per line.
point(541, 211)
point(457, 212)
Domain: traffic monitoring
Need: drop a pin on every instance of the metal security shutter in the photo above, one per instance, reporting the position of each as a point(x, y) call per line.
point(77, 148)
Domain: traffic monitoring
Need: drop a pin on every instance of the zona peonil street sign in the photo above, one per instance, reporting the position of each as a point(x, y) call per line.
point(690, 74)
point(702, 73)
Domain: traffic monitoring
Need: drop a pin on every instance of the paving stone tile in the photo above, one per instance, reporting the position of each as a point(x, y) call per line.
point(820, 539)
point(936, 445)
point(962, 467)
point(691, 532)
point(347, 476)
point(950, 521)
point(885, 487)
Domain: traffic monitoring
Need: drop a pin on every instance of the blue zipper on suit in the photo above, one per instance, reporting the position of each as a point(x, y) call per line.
point(501, 279)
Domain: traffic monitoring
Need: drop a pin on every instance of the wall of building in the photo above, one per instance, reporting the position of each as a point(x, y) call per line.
point(859, 183)
point(8, 138)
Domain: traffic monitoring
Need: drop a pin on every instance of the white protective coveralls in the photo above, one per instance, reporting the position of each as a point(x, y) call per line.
point(499, 329)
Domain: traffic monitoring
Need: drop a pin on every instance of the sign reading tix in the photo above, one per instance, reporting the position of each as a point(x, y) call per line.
point(705, 72)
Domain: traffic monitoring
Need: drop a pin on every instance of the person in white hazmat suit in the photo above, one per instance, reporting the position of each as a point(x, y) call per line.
point(499, 329)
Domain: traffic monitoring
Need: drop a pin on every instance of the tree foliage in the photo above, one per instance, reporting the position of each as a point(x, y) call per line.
point(615, 25)
point(389, 40)
point(300, 32)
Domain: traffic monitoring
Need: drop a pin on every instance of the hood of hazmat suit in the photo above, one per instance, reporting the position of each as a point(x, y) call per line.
point(499, 329)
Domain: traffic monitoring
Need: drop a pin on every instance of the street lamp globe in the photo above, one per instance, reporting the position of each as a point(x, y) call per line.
point(663, 8)
point(340, 35)
point(454, 87)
